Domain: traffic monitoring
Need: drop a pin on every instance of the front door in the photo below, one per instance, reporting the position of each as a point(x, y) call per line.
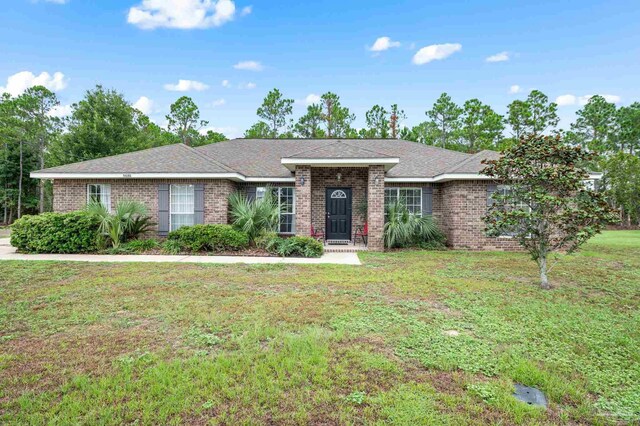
point(338, 214)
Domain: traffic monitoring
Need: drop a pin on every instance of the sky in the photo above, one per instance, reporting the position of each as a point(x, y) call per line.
point(227, 54)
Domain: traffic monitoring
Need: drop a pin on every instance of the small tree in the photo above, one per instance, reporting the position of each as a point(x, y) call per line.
point(184, 120)
point(545, 203)
point(274, 111)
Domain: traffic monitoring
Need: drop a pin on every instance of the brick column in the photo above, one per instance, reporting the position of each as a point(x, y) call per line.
point(303, 200)
point(375, 207)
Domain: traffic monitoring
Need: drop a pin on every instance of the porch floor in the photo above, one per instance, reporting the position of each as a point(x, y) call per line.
point(349, 247)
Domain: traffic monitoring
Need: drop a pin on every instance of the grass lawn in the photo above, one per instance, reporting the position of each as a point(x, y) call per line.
point(307, 344)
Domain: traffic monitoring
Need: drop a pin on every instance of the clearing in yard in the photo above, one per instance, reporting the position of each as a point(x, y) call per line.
point(411, 337)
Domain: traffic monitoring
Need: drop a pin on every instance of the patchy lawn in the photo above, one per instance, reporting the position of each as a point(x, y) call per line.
point(287, 344)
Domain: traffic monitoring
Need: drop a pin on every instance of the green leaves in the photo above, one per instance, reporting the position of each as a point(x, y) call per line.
point(274, 110)
point(184, 120)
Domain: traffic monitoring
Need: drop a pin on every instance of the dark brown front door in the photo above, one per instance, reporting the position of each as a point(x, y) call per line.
point(338, 213)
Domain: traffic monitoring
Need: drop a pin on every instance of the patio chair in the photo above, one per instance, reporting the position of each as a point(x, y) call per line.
point(361, 232)
point(317, 234)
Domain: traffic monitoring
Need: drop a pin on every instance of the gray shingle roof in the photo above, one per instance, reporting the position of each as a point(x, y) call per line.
point(262, 158)
point(177, 158)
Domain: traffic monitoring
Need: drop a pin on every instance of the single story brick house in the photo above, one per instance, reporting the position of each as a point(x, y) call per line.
point(318, 182)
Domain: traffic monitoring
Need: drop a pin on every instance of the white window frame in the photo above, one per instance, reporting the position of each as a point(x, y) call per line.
point(171, 213)
point(261, 190)
point(397, 190)
point(105, 194)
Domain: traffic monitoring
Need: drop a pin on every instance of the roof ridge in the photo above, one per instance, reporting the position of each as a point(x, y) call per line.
point(337, 142)
point(471, 157)
point(367, 149)
point(315, 148)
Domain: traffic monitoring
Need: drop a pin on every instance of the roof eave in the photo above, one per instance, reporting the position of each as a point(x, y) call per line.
point(291, 163)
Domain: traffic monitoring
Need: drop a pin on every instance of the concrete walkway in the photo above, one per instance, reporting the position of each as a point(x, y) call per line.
point(9, 253)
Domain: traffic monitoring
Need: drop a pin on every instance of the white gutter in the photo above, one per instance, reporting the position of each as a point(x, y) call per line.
point(459, 176)
point(231, 176)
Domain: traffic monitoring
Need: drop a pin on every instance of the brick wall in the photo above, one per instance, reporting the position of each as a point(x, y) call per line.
point(458, 209)
point(69, 195)
point(303, 200)
point(375, 211)
point(323, 178)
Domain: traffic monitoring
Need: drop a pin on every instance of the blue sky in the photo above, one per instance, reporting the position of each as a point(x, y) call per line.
point(140, 47)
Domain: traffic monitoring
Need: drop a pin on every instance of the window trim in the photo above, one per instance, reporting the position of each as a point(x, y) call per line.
point(102, 185)
point(292, 213)
point(398, 188)
point(500, 189)
point(193, 214)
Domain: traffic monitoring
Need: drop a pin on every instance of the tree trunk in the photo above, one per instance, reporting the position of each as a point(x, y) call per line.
point(544, 281)
point(20, 185)
point(41, 184)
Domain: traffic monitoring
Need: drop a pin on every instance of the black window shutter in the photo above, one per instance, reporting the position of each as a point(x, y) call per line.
point(491, 188)
point(163, 209)
point(427, 200)
point(198, 204)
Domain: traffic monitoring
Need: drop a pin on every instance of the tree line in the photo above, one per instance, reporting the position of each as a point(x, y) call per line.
point(104, 123)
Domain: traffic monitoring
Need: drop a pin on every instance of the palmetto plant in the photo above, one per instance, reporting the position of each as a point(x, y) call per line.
point(128, 218)
point(403, 228)
point(254, 217)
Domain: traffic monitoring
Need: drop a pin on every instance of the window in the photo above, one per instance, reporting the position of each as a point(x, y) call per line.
point(99, 193)
point(181, 206)
point(504, 191)
point(410, 197)
point(285, 196)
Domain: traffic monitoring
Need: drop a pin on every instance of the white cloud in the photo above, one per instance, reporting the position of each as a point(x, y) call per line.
point(435, 52)
point(225, 83)
point(247, 86)
point(498, 57)
point(246, 10)
point(181, 14)
point(144, 105)
point(249, 66)
point(217, 103)
point(566, 100)
point(186, 86)
point(383, 43)
point(60, 111)
point(311, 98)
point(19, 82)
point(515, 89)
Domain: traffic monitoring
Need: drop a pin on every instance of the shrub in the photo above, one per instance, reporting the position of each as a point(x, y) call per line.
point(294, 247)
point(74, 232)
point(404, 229)
point(254, 217)
point(171, 247)
point(214, 238)
point(128, 220)
point(135, 246)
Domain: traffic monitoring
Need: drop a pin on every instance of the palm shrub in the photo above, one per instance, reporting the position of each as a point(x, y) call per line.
point(254, 217)
point(126, 221)
point(403, 228)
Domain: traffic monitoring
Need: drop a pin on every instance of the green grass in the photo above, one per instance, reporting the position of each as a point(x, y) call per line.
point(307, 344)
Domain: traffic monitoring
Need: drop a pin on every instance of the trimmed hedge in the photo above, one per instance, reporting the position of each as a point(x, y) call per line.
point(215, 238)
point(74, 232)
point(294, 247)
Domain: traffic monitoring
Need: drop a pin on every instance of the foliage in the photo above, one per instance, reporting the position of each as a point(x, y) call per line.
point(259, 130)
point(547, 208)
point(74, 232)
point(172, 247)
point(622, 178)
point(128, 220)
point(308, 126)
point(595, 124)
point(628, 126)
point(274, 110)
point(396, 116)
point(254, 216)
point(184, 120)
point(139, 246)
point(377, 119)
point(482, 127)
point(214, 238)
point(337, 118)
point(445, 116)
point(294, 246)
point(404, 229)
